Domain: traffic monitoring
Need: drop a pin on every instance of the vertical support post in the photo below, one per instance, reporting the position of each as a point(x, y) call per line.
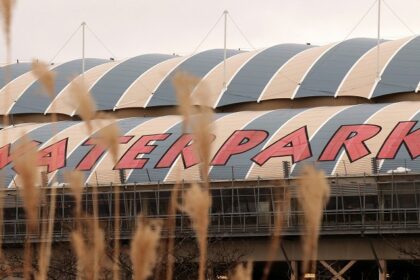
point(378, 42)
point(83, 48)
point(225, 13)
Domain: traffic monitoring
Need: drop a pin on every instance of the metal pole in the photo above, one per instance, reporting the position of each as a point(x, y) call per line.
point(224, 50)
point(83, 48)
point(378, 42)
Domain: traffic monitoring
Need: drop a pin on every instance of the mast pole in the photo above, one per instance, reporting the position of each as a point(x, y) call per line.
point(83, 48)
point(224, 49)
point(378, 42)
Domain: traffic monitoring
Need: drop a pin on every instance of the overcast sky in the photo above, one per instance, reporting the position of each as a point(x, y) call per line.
point(133, 27)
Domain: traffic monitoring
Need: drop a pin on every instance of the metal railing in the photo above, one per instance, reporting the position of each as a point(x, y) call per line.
point(237, 210)
point(243, 224)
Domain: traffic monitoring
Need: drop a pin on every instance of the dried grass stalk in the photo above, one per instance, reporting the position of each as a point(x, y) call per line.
point(1, 213)
point(75, 180)
point(82, 254)
point(171, 228)
point(116, 254)
point(108, 137)
point(144, 247)
point(313, 194)
point(184, 84)
point(197, 203)
point(203, 139)
point(45, 76)
point(45, 251)
point(89, 250)
point(242, 272)
point(6, 10)
point(24, 158)
point(282, 206)
point(83, 102)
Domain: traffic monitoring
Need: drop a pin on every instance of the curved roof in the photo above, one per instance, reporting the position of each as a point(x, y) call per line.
point(247, 145)
point(285, 71)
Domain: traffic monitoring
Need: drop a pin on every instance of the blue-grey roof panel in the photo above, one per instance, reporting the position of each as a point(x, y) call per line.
point(34, 101)
point(12, 71)
point(251, 79)
point(403, 160)
point(108, 90)
point(325, 76)
point(403, 72)
point(198, 65)
point(357, 114)
point(269, 122)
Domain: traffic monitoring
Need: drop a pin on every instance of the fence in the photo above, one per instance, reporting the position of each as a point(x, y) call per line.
point(247, 210)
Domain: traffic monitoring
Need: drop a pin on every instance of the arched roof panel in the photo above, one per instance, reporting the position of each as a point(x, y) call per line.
point(252, 78)
point(197, 65)
point(327, 73)
point(402, 74)
point(63, 102)
point(362, 78)
point(34, 101)
point(212, 84)
point(108, 90)
point(12, 71)
point(286, 80)
point(142, 89)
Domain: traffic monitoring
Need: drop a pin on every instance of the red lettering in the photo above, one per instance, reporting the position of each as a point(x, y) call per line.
point(401, 135)
point(6, 156)
point(352, 138)
point(239, 142)
point(182, 147)
point(142, 146)
point(53, 156)
point(96, 152)
point(295, 144)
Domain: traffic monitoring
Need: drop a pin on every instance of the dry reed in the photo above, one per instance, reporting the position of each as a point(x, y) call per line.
point(75, 180)
point(82, 102)
point(242, 272)
point(313, 194)
point(108, 137)
point(45, 251)
point(143, 251)
point(24, 158)
point(89, 250)
point(282, 206)
point(184, 84)
point(45, 76)
point(202, 139)
point(6, 8)
point(197, 203)
point(202, 115)
point(173, 205)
